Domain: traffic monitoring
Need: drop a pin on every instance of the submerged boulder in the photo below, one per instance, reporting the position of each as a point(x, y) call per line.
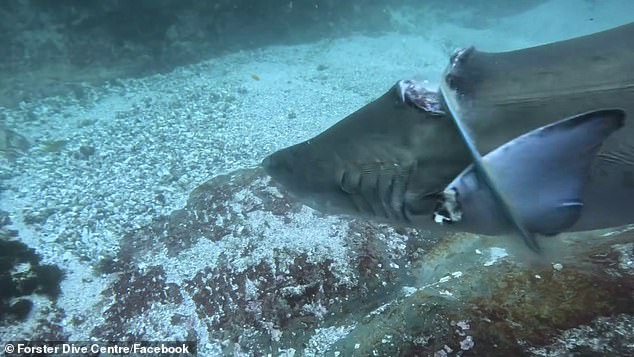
point(23, 276)
point(242, 268)
point(245, 266)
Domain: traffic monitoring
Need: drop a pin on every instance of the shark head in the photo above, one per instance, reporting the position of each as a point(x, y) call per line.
point(309, 174)
point(387, 161)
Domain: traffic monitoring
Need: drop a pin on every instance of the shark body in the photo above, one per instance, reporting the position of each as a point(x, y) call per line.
point(393, 159)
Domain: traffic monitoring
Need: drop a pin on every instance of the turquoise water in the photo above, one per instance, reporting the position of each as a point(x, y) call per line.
point(133, 205)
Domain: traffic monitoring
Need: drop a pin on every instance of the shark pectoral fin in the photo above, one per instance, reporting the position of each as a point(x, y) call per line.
point(544, 172)
point(529, 177)
point(562, 218)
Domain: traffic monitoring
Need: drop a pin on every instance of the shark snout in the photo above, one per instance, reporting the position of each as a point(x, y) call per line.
point(268, 164)
point(308, 175)
point(278, 166)
point(290, 168)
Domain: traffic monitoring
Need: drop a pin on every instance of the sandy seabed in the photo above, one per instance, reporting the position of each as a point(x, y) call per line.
point(157, 139)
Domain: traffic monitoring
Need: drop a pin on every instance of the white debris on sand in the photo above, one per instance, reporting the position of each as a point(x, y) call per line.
point(467, 343)
point(324, 338)
point(157, 138)
point(495, 255)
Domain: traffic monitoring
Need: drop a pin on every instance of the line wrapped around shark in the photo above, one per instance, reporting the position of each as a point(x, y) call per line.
point(533, 141)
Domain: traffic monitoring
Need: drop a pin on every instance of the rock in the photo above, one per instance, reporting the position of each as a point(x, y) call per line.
point(243, 262)
point(86, 151)
point(22, 275)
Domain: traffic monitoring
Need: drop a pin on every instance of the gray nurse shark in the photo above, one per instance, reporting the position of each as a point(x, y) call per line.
point(554, 116)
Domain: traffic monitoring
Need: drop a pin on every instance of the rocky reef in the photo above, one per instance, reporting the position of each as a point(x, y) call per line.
point(22, 276)
point(243, 269)
point(52, 48)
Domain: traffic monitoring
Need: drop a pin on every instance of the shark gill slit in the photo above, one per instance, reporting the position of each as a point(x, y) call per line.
point(356, 195)
point(368, 192)
point(386, 189)
point(344, 182)
point(398, 199)
point(379, 202)
point(387, 195)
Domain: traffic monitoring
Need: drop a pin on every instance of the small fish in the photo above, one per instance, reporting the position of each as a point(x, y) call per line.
point(255, 77)
point(53, 145)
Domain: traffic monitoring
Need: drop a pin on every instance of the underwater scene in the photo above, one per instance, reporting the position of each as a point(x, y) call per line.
point(317, 177)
